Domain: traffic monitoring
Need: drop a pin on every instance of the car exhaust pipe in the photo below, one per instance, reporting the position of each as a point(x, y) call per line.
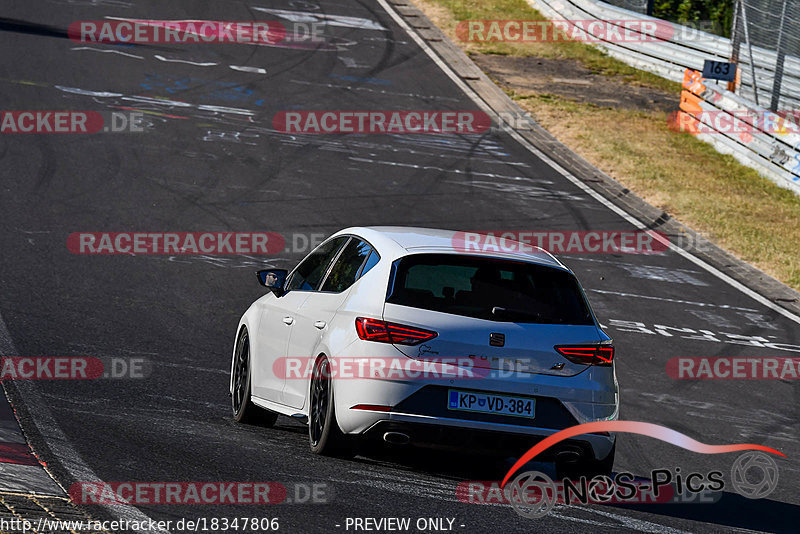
point(396, 438)
point(568, 455)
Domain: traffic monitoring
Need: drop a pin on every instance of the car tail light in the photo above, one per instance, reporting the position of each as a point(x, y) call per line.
point(399, 334)
point(587, 354)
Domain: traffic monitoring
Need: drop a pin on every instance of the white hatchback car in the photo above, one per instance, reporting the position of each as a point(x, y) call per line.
point(481, 352)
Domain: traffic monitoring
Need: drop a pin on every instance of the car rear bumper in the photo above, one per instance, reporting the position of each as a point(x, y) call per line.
point(497, 440)
point(425, 419)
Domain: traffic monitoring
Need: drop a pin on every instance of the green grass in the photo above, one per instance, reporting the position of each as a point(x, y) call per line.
point(711, 192)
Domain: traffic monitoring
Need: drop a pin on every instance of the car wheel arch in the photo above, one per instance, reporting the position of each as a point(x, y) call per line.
point(321, 355)
point(241, 328)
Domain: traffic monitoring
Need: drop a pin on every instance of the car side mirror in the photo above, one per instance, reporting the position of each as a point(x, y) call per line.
point(273, 279)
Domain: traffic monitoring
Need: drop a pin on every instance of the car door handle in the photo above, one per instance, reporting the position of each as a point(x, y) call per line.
point(288, 320)
point(320, 324)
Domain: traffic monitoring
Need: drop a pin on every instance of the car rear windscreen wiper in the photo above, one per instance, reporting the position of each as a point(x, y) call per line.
point(515, 312)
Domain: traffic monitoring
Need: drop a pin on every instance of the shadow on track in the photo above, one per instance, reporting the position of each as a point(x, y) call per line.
point(732, 510)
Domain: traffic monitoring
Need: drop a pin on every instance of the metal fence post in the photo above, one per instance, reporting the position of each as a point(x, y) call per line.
point(750, 51)
point(736, 42)
point(776, 83)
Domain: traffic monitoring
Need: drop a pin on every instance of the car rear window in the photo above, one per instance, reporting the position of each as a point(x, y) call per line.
point(488, 288)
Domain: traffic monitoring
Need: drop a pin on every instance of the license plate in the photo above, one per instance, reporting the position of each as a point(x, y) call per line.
point(470, 401)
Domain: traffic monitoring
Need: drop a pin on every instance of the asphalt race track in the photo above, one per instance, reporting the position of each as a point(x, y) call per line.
point(199, 166)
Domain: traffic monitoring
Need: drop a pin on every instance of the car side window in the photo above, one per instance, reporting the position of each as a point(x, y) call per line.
point(308, 275)
point(370, 263)
point(345, 271)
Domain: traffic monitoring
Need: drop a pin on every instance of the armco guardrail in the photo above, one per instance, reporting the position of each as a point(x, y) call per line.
point(774, 154)
point(762, 140)
point(684, 48)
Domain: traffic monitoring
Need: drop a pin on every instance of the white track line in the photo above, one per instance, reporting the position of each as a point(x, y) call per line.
point(588, 190)
point(256, 70)
point(106, 51)
point(198, 64)
point(676, 301)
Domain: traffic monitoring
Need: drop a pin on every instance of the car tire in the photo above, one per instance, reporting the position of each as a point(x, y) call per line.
point(588, 467)
point(244, 411)
point(324, 435)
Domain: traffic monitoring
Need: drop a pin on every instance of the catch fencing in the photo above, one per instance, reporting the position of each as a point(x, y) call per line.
point(766, 46)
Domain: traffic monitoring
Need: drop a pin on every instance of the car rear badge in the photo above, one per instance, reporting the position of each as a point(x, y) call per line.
point(497, 340)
